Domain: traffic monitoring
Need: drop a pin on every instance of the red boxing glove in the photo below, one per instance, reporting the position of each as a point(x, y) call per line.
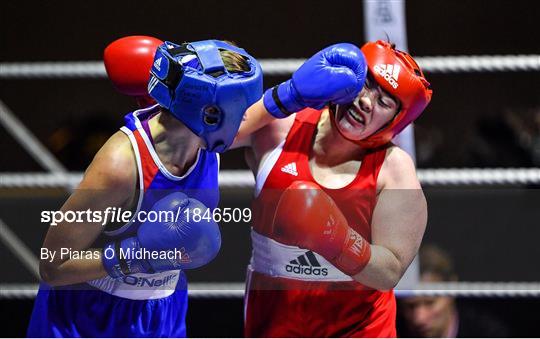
point(128, 62)
point(308, 218)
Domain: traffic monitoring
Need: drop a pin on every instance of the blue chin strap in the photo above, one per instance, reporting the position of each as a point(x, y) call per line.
point(191, 81)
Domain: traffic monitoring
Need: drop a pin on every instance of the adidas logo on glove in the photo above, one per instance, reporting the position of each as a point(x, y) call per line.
point(306, 264)
point(389, 72)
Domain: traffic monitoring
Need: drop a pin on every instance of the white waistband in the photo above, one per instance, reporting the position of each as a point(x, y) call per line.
point(278, 260)
point(139, 286)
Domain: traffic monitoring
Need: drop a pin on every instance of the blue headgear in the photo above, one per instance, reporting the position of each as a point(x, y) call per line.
point(210, 105)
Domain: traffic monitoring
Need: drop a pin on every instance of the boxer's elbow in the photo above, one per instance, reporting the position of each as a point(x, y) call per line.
point(50, 273)
point(383, 271)
point(394, 270)
point(389, 277)
point(391, 280)
point(384, 281)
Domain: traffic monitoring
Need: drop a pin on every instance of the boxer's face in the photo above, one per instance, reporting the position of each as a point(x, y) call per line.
point(372, 109)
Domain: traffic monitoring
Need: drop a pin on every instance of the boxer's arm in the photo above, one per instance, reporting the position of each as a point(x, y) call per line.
point(109, 181)
point(263, 138)
point(398, 223)
point(334, 74)
point(256, 117)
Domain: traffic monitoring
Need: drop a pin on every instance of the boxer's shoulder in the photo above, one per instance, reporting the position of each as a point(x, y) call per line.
point(113, 167)
point(269, 137)
point(397, 171)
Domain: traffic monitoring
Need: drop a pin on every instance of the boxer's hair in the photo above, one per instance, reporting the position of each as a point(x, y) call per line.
point(232, 61)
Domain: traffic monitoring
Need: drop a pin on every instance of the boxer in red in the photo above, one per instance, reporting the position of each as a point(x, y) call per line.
point(339, 213)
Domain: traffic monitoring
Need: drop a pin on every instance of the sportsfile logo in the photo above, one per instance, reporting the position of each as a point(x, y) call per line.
point(306, 264)
point(389, 72)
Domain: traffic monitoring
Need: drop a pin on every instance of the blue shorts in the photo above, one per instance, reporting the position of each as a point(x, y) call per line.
point(91, 312)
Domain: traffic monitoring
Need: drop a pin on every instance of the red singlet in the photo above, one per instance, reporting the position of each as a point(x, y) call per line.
point(294, 292)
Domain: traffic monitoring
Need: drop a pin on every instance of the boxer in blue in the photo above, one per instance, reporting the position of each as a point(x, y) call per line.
point(165, 159)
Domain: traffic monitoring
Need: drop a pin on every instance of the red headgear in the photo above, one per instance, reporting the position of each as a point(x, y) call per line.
point(400, 76)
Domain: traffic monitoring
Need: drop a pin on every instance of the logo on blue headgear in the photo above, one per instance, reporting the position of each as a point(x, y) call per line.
point(191, 81)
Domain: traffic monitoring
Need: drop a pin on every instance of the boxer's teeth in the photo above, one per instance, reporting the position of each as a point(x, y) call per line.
point(356, 116)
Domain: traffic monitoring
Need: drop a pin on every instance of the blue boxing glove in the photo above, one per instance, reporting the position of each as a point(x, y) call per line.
point(336, 74)
point(198, 242)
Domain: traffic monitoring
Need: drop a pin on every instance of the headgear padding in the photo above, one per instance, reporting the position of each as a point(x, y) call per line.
point(191, 81)
point(401, 77)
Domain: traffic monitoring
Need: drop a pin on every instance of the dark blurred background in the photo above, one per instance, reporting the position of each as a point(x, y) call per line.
point(475, 120)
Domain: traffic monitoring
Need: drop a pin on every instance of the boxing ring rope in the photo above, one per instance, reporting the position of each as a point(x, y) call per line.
point(440, 64)
point(244, 178)
point(276, 67)
point(236, 290)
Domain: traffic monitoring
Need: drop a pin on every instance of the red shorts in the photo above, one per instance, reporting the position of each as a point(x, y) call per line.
point(280, 307)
